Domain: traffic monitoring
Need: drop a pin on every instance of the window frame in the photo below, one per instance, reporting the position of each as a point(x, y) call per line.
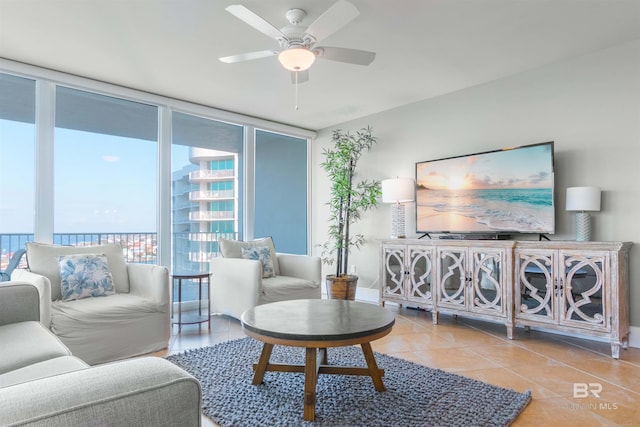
point(46, 82)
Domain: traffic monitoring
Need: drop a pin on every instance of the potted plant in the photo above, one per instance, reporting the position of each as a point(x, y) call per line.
point(349, 199)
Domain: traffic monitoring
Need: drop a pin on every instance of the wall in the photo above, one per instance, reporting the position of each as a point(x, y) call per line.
point(590, 107)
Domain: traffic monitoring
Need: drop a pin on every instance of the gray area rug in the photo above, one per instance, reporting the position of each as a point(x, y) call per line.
point(416, 395)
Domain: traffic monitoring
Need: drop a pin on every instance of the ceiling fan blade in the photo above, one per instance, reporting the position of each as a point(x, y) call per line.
point(303, 76)
point(341, 54)
point(248, 56)
point(334, 18)
point(257, 22)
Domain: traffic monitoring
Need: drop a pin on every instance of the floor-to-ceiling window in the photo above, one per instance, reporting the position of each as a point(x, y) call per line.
point(206, 175)
point(17, 144)
point(105, 172)
point(281, 190)
point(83, 162)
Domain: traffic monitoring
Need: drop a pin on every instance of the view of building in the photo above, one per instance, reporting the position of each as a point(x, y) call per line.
point(205, 207)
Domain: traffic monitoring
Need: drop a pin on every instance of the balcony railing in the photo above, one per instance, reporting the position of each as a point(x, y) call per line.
point(211, 215)
point(206, 237)
point(211, 174)
point(211, 195)
point(136, 247)
point(202, 257)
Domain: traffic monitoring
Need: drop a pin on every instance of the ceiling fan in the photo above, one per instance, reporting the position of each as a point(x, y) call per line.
point(298, 48)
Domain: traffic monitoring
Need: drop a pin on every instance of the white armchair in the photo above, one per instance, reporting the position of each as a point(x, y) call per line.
point(133, 321)
point(237, 284)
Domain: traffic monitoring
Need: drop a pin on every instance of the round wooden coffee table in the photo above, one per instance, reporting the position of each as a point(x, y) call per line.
point(316, 325)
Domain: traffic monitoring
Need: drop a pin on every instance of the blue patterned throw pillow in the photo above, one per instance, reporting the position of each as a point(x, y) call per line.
point(83, 276)
point(262, 254)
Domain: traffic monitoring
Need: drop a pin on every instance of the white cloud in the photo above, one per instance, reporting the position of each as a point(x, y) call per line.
point(110, 159)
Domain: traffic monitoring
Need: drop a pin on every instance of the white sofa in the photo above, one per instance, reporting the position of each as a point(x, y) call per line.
point(237, 284)
point(43, 384)
point(133, 321)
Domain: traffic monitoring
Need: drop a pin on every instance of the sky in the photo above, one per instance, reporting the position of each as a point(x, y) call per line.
point(117, 192)
point(528, 167)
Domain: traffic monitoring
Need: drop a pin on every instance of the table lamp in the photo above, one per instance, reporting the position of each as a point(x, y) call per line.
point(583, 200)
point(398, 191)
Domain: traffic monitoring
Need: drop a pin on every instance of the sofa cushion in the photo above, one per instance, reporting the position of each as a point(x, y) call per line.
point(148, 391)
point(46, 368)
point(42, 259)
point(25, 343)
point(233, 249)
point(262, 254)
point(84, 276)
point(281, 288)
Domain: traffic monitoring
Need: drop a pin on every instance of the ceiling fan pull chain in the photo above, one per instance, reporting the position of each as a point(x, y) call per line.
point(296, 90)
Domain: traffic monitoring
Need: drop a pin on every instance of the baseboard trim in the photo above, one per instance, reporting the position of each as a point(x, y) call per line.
point(634, 337)
point(367, 295)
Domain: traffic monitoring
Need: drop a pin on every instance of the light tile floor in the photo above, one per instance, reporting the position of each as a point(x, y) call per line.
point(545, 363)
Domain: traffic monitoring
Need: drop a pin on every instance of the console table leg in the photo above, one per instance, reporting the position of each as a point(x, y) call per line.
point(261, 367)
point(374, 372)
point(625, 342)
point(615, 350)
point(310, 375)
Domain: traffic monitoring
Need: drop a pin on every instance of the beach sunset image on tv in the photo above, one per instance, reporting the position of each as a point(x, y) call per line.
point(507, 190)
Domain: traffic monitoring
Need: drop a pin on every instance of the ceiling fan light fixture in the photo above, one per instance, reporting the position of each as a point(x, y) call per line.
point(296, 58)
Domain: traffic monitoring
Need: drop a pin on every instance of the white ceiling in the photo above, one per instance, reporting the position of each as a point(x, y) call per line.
point(425, 48)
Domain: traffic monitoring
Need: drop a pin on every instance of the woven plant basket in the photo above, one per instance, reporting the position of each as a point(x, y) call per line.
point(343, 287)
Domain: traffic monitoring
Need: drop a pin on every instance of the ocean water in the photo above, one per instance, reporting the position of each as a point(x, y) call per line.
point(10, 243)
point(527, 210)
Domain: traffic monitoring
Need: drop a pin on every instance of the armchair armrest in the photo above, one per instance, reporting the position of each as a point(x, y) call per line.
point(144, 391)
point(151, 282)
point(301, 266)
point(19, 302)
point(43, 285)
point(235, 285)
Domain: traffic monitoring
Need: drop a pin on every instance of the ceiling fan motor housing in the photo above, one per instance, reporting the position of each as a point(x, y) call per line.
point(295, 16)
point(295, 33)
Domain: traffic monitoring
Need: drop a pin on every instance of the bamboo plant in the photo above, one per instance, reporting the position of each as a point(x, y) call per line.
point(349, 197)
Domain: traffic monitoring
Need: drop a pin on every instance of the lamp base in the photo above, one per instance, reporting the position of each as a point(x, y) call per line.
point(397, 221)
point(583, 227)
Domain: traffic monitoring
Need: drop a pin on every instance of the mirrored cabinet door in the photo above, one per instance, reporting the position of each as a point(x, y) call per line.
point(421, 270)
point(583, 296)
point(393, 271)
point(452, 278)
point(487, 281)
point(536, 285)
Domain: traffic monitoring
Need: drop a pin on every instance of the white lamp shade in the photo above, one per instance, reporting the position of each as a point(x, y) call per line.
point(398, 190)
point(296, 59)
point(583, 199)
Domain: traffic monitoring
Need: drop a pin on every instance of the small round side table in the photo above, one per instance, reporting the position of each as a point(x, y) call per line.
point(191, 317)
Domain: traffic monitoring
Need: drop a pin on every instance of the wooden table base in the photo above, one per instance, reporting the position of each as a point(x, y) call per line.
point(316, 363)
point(316, 325)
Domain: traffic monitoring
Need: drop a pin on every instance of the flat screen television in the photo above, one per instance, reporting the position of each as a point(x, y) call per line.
point(498, 192)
